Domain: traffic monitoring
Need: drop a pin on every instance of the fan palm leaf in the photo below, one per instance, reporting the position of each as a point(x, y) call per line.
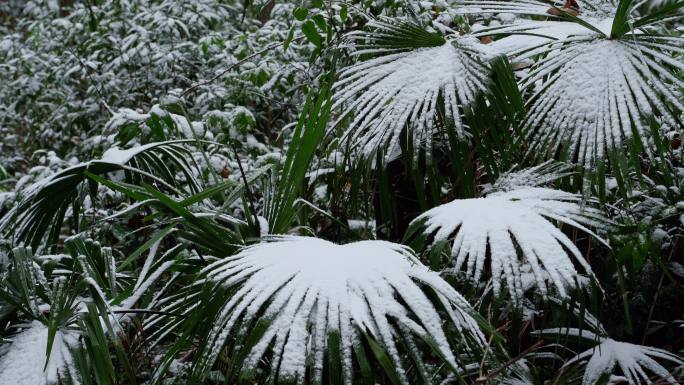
point(600, 8)
point(408, 75)
point(42, 206)
point(596, 92)
point(634, 361)
point(600, 76)
point(312, 297)
point(512, 225)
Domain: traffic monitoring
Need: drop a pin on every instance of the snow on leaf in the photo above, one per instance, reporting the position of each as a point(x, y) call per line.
point(308, 288)
point(531, 36)
point(124, 116)
point(592, 88)
point(24, 362)
point(403, 86)
point(535, 176)
point(39, 200)
point(514, 229)
point(117, 156)
point(633, 360)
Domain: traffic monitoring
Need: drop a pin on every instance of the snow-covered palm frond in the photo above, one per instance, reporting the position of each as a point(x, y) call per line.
point(309, 290)
point(634, 361)
point(98, 269)
point(28, 361)
point(529, 37)
point(593, 93)
point(600, 76)
point(522, 34)
point(79, 296)
point(514, 229)
point(410, 74)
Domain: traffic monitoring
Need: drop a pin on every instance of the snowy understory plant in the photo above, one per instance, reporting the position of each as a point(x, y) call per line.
point(410, 72)
point(603, 71)
point(619, 361)
point(378, 192)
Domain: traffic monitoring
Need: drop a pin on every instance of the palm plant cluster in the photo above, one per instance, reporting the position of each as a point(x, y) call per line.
point(397, 192)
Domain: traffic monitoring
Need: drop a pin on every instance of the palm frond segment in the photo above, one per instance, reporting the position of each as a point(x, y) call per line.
point(633, 360)
point(525, 38)
point(594, 9)
point(535, 176)
point(309, 289)
point(600, 73)
point(41, 210)
point(404, 87)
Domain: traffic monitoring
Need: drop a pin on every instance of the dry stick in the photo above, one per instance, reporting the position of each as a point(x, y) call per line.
point(508, 363)
point(655, 296)
point(250, 57)
point(250, 198)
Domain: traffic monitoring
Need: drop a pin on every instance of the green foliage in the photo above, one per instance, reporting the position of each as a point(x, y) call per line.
point(149, 144)
point(307, 135)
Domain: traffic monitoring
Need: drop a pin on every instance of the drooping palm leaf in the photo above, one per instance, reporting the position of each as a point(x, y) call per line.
point(307, 305)
point(634, 361)
point(42, 207)
point(511, 227)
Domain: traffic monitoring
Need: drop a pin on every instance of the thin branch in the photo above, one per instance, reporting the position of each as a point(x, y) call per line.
point(248, 190)
point(250, 57)
point(497, 371)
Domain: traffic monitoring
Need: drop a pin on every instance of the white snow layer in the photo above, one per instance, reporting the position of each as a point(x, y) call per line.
point(587, 8)
point(591, 92)
point(115, 155)
point(23, 364)
point(633, 361)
